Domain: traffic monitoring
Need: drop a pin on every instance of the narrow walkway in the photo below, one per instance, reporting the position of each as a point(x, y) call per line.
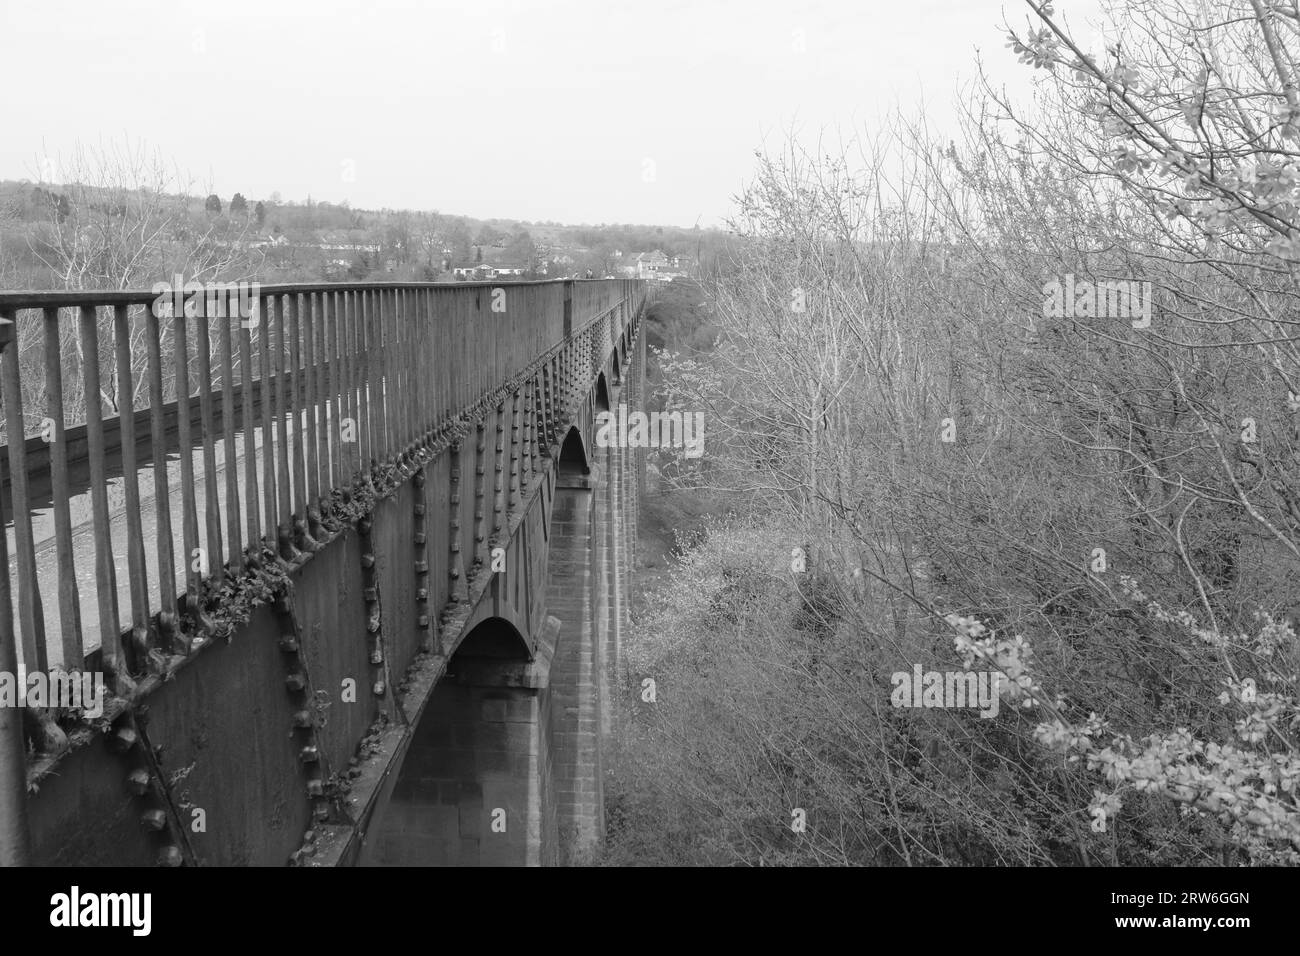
point(83, 541)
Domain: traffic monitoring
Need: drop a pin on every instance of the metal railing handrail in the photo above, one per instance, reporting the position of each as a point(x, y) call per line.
point(73, 298)
point(394, 361)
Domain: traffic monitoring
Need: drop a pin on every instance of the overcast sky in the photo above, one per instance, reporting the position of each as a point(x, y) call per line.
point(577, 111)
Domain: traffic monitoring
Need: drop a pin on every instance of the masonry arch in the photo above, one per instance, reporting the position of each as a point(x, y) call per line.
point(573, 455)
point(494, 625)
point(620, 354)
point(473, 788)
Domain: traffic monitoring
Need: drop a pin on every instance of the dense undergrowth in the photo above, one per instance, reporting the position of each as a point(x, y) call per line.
point(936, 460)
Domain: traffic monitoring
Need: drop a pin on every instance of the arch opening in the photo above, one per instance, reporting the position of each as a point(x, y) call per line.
point(573, 455)
point(494, 638)
point(470, 787)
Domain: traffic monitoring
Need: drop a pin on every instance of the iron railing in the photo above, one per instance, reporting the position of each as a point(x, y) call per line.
point(249, 424)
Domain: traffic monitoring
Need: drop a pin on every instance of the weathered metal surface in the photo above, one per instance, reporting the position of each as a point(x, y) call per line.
point(15, 841)
point(225, 704)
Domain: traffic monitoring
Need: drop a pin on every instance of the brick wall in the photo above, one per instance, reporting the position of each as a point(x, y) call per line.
point(575, 709)
point(478, 749)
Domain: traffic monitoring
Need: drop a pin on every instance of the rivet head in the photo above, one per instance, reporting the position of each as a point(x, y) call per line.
point(296, 681)
point(289, 644)
point(153, 819)
point(364, 525)
point(123, 739)
point(137, 781)
point(170, 856)
point(378, 688)
point(367, 560)
point(309, 754)
point(302, 719)
point(419, 537)
point(315, 788)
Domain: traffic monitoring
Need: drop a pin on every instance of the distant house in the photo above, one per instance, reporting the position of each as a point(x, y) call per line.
point(483, 271)
point(650, 264)
point(657, 266)
point(264, 241)
point(336, 240)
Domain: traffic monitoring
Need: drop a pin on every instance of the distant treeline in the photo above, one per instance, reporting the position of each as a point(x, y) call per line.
point(120, 225)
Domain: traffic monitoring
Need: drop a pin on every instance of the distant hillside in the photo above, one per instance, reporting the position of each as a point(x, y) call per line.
point(79, 235)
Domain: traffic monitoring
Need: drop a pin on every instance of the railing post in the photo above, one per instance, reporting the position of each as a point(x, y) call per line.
point(15, 840)
point(568, 308)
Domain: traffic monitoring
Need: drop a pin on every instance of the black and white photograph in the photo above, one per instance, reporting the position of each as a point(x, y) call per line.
point(837, 435)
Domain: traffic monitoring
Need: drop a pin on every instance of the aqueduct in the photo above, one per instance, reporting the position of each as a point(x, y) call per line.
point(354, 567)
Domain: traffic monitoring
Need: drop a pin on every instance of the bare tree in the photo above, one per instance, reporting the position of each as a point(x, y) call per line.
point(130, 222)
